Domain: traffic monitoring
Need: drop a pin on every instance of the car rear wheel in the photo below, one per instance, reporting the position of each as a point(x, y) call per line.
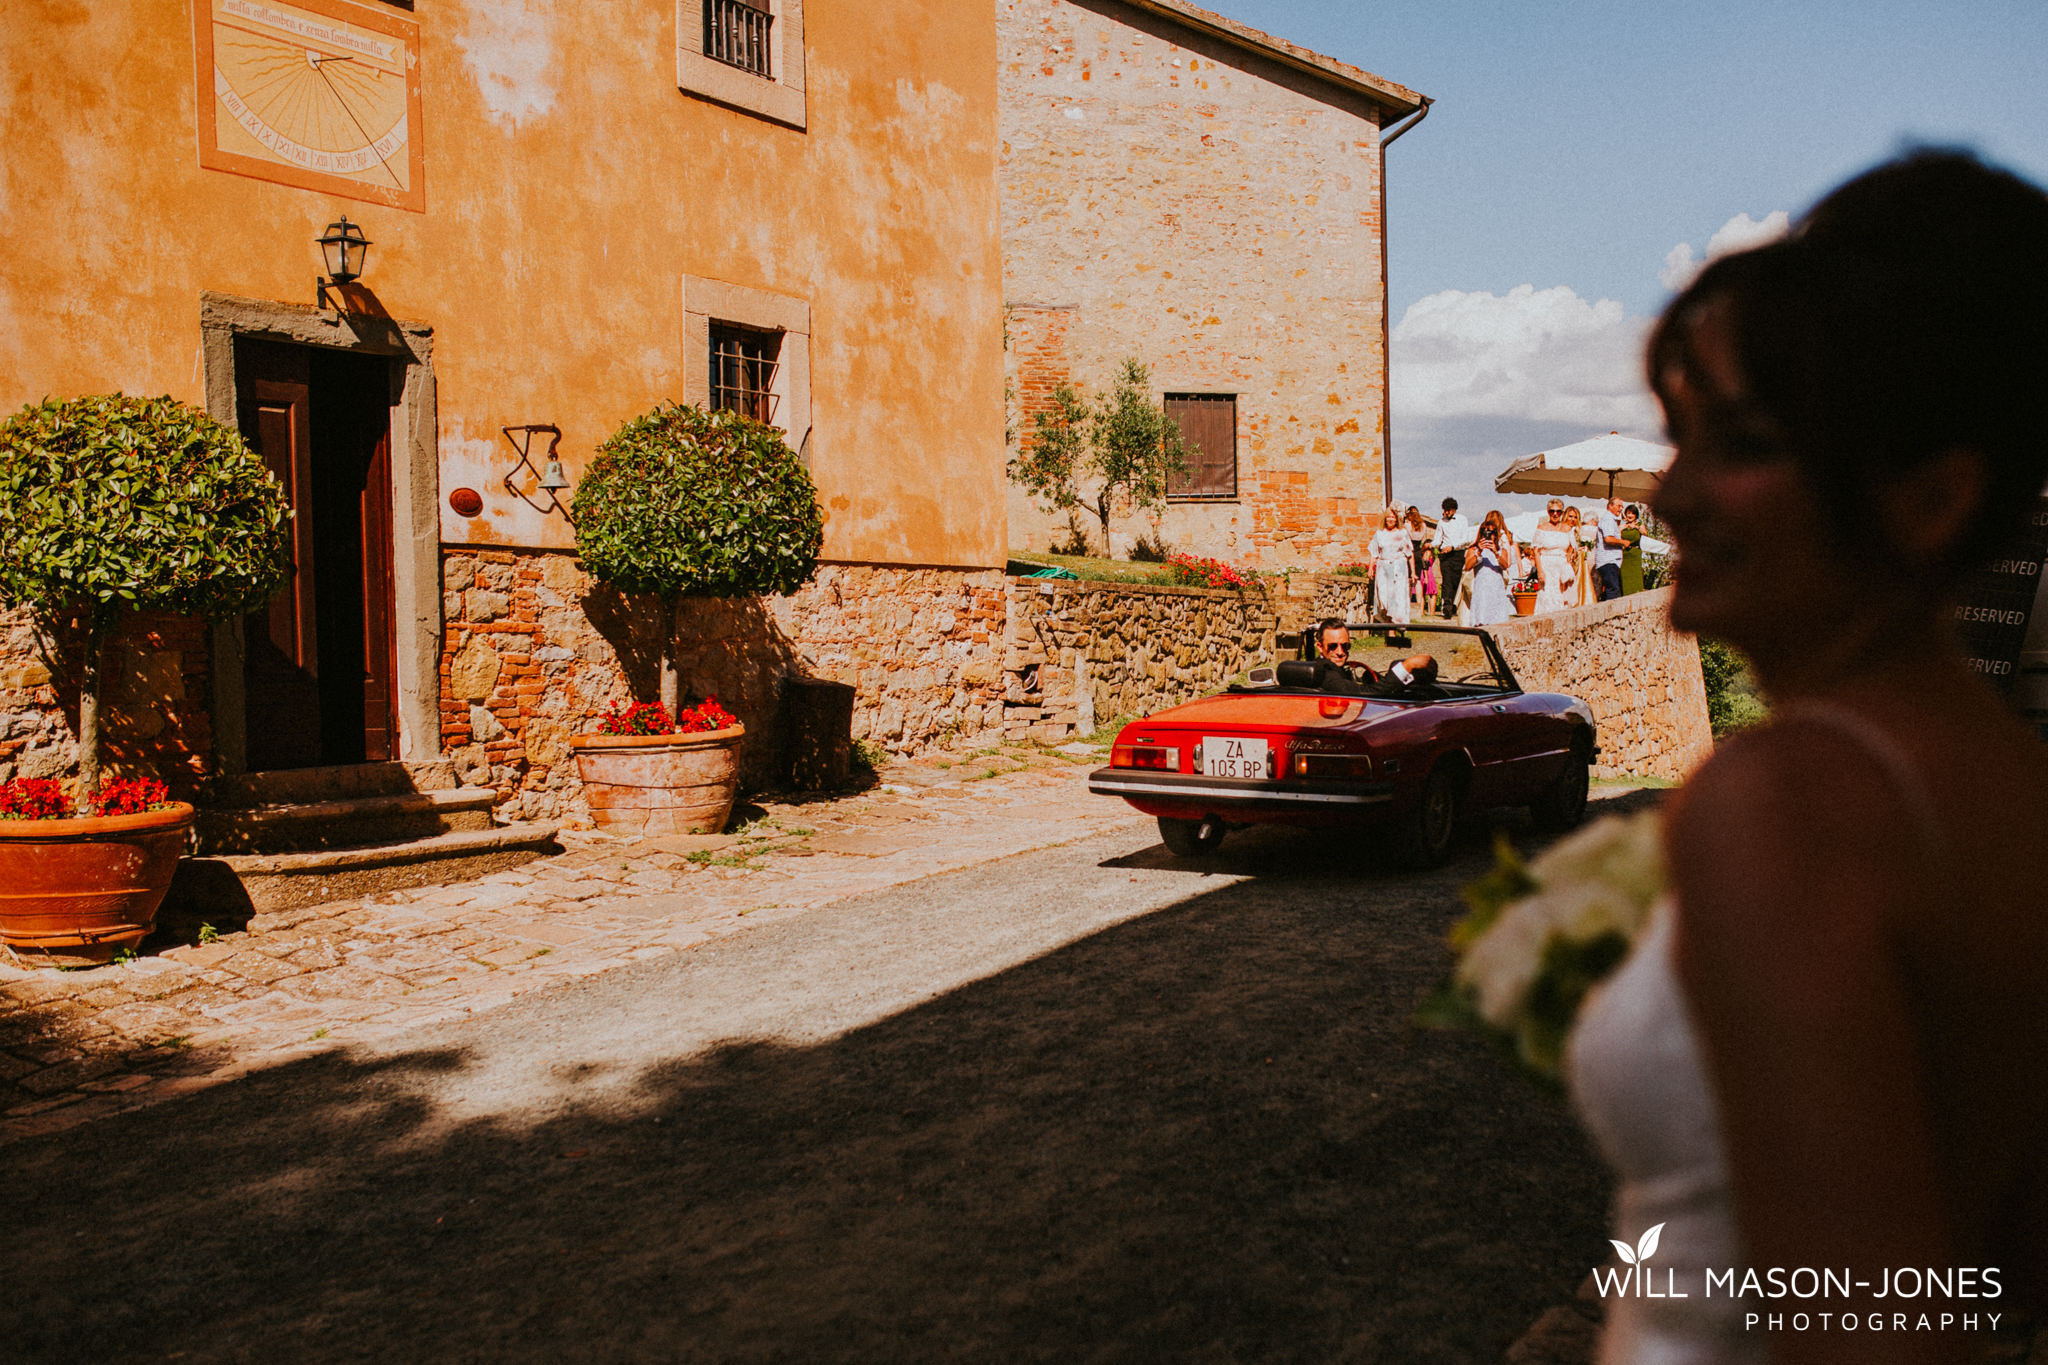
point(1563, 805)
point(1190, 838)
point(1425, 832)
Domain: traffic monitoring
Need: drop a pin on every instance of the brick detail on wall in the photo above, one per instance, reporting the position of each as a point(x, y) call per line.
point(1039, 362)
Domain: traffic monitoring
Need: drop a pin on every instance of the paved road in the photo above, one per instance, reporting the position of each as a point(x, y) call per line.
point(1087, 1103)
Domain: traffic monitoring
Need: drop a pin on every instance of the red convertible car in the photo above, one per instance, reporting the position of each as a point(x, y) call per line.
point(1386, 741)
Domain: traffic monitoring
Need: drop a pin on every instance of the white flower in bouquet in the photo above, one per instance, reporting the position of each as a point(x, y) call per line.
point(1541, 936)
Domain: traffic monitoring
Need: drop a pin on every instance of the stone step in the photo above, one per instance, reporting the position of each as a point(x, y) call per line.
point(290, 786)
point(346, 823)
point(225, 891)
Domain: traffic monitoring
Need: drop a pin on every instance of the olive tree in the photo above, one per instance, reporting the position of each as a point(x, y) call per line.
point(111, 505)
point(1046, 469)
point(1134, 447)
point(681, 503)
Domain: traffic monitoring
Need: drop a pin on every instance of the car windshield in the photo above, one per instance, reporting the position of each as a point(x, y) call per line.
point(1461, 655)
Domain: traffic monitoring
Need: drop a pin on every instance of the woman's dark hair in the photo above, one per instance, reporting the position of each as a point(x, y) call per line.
point(1905, 316)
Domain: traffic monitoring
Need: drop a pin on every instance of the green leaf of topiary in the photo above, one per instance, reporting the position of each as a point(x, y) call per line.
point(136, 503)
point(686, 503)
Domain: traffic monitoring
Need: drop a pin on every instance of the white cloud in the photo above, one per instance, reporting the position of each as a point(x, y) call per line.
point(1737, 234)
point(1680, 265)
point(1538, 354)
point(1481, 379)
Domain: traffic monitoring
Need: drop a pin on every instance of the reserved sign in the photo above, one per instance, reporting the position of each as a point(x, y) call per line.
point(2001, 600)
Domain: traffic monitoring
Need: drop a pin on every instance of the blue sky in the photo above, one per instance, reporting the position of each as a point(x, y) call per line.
point(1573, 146)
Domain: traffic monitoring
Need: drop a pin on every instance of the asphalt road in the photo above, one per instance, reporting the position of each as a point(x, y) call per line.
point(1089, 1103)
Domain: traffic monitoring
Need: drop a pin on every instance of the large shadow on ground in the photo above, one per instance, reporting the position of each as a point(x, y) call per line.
point(1208, 1134)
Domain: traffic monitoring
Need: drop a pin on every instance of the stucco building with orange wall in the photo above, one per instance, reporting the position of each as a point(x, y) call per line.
point(1210, 199)
point(576, 210)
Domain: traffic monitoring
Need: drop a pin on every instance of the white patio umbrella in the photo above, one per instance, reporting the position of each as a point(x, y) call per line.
point(1604, 467)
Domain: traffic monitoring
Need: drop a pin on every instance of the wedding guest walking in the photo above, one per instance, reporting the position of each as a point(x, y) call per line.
point(1454, 536)
point(1418, 536)
point(1554, 551)
point(1632, 554)
point(1489, 562)
point(1582, 558)
point(1607, 548)
point(1827, 1047)
point(1392, 554)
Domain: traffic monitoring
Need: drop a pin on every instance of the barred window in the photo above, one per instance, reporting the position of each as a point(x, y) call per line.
point(736, 32)
point(743, 365)
point(1208, 423)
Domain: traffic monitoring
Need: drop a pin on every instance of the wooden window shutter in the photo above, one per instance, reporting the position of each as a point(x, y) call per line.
point(1208, 421)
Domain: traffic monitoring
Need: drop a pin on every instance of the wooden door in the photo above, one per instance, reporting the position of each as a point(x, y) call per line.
point(380, 641)
point(284, 435)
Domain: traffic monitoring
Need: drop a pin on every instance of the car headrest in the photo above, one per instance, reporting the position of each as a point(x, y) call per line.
point(1303, 672)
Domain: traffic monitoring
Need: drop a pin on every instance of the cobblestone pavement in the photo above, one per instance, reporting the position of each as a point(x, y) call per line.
point(78, 1045)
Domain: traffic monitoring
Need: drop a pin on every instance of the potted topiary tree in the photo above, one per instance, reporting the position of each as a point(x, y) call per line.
point(684, 503)
point(111, 505)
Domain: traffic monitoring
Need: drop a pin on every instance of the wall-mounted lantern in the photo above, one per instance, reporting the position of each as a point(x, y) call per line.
point(343, 249)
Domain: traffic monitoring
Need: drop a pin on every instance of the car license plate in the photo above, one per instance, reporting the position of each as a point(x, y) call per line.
point(1224, 757)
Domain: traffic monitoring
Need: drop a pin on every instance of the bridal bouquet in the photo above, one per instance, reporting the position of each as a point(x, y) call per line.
point(1541, 935)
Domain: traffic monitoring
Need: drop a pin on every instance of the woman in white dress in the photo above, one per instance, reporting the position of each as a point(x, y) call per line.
point(1487, 565)
point(1582, 536)
point(1554, 551)
point(1392, 555)
point(1829, 1048)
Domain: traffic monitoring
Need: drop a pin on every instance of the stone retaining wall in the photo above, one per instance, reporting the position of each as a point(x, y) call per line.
point(1641, 678)
point(1078, 654)
point(535, 651)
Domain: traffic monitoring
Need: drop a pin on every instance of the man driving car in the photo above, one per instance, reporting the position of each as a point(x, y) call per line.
point(1333, 644)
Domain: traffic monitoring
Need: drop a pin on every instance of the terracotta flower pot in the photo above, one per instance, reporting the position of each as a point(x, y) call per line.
point(1525, 603)
point(660, 784)
point(78, 891)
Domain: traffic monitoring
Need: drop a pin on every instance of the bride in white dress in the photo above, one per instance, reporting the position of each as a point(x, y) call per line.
point(1554, 551)
point(1829, 1048)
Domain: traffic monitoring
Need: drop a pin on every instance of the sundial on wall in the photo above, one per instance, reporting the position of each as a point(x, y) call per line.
point(321, 94)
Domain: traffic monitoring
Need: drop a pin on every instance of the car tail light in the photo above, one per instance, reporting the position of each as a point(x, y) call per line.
point(1339, 766)
point(1332, 708)
point(1152, 756)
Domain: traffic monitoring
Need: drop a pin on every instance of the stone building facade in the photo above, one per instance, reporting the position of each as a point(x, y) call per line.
point(1209, 199)
point(573, 212)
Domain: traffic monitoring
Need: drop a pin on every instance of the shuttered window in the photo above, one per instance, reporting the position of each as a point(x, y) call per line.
point(1208, 422)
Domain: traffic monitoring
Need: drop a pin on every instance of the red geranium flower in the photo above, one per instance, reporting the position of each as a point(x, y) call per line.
point(32, 798)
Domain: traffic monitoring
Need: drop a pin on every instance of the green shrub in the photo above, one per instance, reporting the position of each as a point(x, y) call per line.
point(681, 502)
point(1732, 702)
point(1150, 549)
point(686, 503)
point(111, 504)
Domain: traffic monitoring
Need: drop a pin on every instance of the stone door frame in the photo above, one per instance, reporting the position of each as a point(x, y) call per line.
point(415, 501)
